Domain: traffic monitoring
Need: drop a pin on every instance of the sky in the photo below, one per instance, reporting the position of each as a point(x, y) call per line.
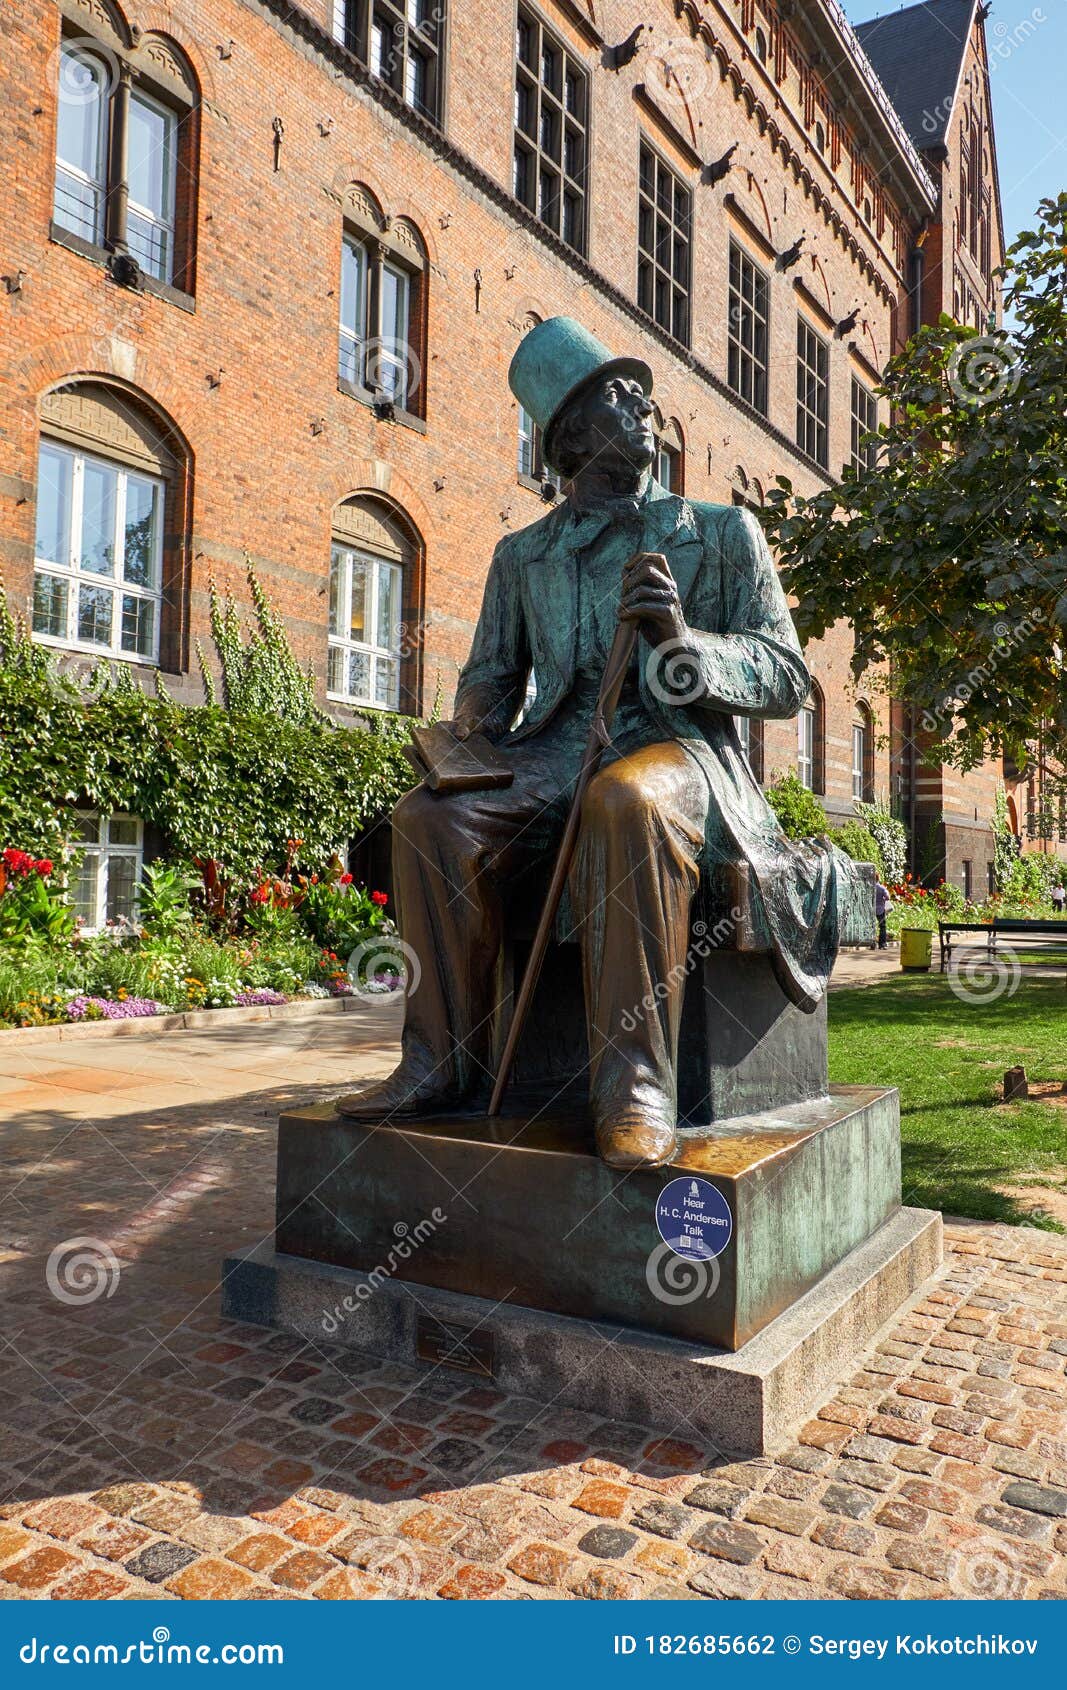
point(1028, 61)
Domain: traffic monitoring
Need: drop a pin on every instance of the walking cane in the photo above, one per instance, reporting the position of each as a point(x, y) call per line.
point(615, 668)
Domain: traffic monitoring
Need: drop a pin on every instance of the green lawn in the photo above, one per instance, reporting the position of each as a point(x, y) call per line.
point(962, 1148)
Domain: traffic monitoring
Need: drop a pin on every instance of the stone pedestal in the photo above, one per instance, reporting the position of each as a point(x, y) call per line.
point(507, 1249)
point(521, 1209)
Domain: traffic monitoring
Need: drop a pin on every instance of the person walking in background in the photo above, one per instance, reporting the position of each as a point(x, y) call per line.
point(1059, 897)
point(883, 903)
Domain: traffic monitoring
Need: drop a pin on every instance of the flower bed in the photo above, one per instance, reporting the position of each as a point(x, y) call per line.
point(199, 942)
point(924, 906)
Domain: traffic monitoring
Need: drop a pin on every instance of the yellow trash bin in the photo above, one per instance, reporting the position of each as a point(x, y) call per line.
point(915, 947)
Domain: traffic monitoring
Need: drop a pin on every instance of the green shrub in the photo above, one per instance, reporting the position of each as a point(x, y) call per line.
point(799, 812)
point(220, 786)
point(856, 842)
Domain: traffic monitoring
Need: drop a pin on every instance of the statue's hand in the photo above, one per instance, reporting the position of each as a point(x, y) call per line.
point(650, 598)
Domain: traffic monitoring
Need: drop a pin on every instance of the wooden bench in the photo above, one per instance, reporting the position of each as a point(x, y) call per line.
point(1046, 935)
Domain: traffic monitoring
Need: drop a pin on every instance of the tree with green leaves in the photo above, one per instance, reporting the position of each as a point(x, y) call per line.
point(948, 554)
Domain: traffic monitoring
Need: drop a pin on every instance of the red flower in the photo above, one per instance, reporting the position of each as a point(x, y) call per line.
point(346, 880)
point(259, 894)
point(44, 867)
point(380, 898)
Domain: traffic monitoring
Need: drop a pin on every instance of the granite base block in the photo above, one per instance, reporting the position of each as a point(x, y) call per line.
point(746, 1402)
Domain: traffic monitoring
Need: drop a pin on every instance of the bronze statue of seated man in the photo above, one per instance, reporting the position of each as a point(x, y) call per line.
point(674, 796)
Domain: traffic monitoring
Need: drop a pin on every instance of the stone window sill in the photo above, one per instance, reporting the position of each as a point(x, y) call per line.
point(101, 256)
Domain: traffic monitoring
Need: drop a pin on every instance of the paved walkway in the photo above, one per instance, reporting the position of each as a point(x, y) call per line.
point(147, 1447)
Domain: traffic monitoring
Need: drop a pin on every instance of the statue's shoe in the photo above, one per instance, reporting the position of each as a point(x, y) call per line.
point(403, 1092)
point(634, 1139)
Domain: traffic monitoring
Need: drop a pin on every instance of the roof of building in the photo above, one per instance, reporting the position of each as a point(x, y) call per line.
point(918, 54)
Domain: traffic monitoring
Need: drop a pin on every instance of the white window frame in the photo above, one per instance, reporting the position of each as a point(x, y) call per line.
point(813, 392)
point(806, 732)
point(365, 355)
point(163, 227)
point(97, 185)
point(103, 852)
point(72, 573)
point(529, 447)
point(860, 731)
point(368, 648)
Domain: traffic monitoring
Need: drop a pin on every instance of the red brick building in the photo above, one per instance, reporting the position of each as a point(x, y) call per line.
point(933, 61)
point(268, 262)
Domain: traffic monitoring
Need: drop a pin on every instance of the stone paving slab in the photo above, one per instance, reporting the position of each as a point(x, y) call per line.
point(148, 1447)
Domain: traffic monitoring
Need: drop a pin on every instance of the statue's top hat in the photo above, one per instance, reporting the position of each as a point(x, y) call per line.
point(554, 362)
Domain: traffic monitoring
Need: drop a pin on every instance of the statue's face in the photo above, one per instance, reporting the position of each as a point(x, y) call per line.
point(618, 418)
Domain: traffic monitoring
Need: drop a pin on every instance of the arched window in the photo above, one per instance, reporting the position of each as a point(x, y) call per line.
point(669, 467)
point(81, 144)
point(111, 492)
point(810, 730)
point(820, 138)
point(126, 143)
point(761, 46)
point(863, 754)
point(372, 658)
point(382, 346)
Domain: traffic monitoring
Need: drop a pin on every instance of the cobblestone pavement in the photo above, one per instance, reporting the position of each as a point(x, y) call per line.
point(147, 1447)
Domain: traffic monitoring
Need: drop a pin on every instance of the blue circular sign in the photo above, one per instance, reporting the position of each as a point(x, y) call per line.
point(694, 1218)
